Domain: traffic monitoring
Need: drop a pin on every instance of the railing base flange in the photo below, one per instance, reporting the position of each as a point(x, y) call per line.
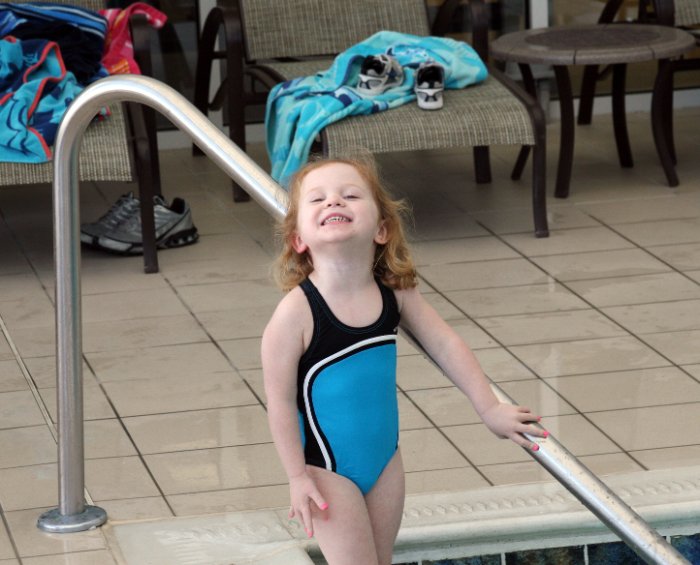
point(56, 523)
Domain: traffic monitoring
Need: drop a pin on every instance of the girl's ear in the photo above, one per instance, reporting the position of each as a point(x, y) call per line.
point(297, 244)
point(382, 235)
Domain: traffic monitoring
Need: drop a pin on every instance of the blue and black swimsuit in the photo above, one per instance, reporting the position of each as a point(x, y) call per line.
point(346, 393)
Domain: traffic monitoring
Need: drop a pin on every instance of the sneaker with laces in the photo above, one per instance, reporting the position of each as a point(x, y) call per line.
point(430, 84)
point(126, 206)
point(379, 73)
point(174, 228)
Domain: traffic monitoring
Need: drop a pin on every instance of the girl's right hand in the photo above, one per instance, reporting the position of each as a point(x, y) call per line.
point(303, 493)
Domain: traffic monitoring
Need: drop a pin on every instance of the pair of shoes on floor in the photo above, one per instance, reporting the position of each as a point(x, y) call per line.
point(119, 230)
point(381, 72)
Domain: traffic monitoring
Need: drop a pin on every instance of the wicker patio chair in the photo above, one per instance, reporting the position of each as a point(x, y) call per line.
point(268, 41)
point(122, 147)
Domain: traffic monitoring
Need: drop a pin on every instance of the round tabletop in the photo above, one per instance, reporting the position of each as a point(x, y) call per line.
point(595, 44)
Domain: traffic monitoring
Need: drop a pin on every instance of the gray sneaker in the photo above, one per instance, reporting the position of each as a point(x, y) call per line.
point(120, 211)
point(174, 228)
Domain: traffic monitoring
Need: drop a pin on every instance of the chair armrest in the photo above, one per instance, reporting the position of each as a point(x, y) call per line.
point(479, 20)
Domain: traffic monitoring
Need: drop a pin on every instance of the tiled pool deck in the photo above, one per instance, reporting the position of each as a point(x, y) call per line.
point(597, 328)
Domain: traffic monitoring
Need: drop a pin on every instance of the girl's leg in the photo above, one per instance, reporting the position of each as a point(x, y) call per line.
point(385, 507)
point(343, 531)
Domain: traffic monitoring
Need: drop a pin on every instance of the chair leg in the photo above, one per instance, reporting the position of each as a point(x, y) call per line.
point(539, 190)
point(482, 164)
point(531, 89)
point(622, 141)
point(588, 85)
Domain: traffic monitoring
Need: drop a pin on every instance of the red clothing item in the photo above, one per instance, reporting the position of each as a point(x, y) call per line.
point(118, 55)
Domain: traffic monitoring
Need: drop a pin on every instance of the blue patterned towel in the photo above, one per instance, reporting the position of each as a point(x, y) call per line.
point(297, 110)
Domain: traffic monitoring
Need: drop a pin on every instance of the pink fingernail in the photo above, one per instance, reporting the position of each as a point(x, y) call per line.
point(546, 434)
point(309, 533)
point(324, 506)
point(535, 447)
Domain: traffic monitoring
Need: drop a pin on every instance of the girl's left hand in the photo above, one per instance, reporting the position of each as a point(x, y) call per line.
point(510, 421)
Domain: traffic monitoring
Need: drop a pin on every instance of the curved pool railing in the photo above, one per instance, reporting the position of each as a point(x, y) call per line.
point(73, 514)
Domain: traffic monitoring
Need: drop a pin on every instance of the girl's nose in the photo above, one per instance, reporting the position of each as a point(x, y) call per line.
point(334, 201)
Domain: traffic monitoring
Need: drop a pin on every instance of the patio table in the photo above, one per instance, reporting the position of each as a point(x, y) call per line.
point(614, 44)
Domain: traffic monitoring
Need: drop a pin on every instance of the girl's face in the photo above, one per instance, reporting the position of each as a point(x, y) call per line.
point(336, 205)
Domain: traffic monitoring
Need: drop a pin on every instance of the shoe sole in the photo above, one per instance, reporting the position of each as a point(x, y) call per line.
point(422, 95)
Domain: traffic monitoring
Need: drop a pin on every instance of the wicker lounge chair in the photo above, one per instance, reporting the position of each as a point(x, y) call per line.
point(268, 41)
point(120, 148)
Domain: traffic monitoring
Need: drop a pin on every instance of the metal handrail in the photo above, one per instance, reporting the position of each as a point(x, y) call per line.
point(72, 513)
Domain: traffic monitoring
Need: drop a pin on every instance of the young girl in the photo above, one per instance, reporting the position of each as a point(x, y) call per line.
point(329, 360)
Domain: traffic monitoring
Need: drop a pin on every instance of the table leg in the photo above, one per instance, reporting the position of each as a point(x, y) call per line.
point(566, 142)
point(663, 89)
point(624, 152)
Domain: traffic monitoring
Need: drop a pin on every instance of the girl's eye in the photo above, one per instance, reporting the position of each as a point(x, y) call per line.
point(351, 196)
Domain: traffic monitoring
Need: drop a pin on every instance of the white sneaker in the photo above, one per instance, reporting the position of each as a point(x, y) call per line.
point(379, 73)
point(430, 84)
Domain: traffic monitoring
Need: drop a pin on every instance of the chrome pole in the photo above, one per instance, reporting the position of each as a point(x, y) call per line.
point(72, 514)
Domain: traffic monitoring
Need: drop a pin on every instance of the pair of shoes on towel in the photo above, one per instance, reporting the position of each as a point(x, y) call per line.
point(381, 72)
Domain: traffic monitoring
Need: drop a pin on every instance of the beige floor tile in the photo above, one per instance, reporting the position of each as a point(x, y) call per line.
point(481, 447)
point(28, 311)
point(695, 275)
point(217, 469)
point(445, 406)
point(427, 450)
point(237, 324)
point(443, 226)
point(694, 370)
point(98, 278)
point(410, 417)
point(516, 300)
point(11, 377)
point(6, 551)
point(576, 240)
point(230, 296)
point(201, 429)
point(662, 232)
point(254, 379)
point(177, 394)
point(5, 350)
point(483, 274)
point(26, 446)
point(531, 471)
point(243, 353)
point(144, 332)
point(118, 478)
point(43, 371)
point(669, 457)
point(588, 356)
point(19, 409)
point(673, 206)
point(107, 438)
point(9, 562)
point(460, 250)
point(473, 335)
point(550, 327)
point(416, 372)
point(32, 486)
point(31, 541)
point(627, 389)
point(636, 289)
point(520, 221)
point(676, 316)
point(653, 427)
point(500, 365)
point(165, 361)
point(248, 266)
point(538, 396)
point(148, 508)
point(683, 257)
point(231, 500)
point(444, 480)
point(445, 309)
point(131, 305)
point(95, 403)
point(600, 264)
point(100, 557)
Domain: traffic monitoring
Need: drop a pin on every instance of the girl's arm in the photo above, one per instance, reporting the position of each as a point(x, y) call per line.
point(282, 347)
point(458, 362)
